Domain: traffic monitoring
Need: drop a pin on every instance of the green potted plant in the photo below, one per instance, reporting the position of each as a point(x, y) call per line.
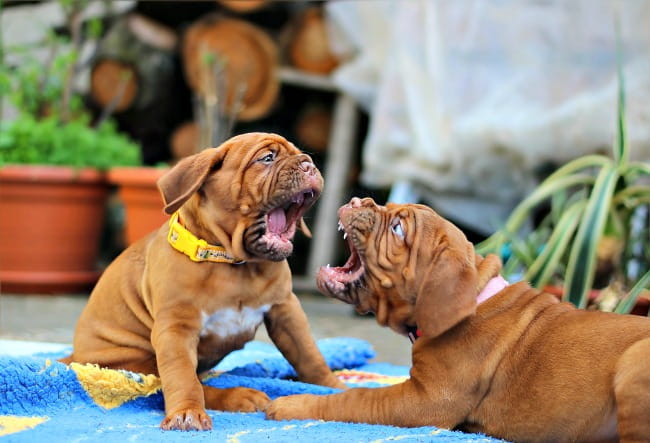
point(53, 188)
point(595, 231)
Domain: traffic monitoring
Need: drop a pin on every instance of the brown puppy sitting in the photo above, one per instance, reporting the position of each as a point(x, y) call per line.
point(179, 300)
point(505, 360)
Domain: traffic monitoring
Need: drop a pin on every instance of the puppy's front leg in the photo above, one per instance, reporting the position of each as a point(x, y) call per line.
point(287, 326)
point(175, 336)
point(398, 405)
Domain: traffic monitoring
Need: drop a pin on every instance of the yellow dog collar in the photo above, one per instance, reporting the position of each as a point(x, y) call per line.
point(196, 249)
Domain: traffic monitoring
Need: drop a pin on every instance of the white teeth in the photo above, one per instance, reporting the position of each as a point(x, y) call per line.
point(345, 235)
point(340, 226)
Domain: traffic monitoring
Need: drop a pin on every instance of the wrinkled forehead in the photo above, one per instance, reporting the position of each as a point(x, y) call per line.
point(247, 146)
point(420, 219)
point(406, 210)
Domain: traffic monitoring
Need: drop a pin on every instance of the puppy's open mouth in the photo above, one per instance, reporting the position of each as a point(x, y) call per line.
point(281, 221)
point(338, 280)
point(272, 235)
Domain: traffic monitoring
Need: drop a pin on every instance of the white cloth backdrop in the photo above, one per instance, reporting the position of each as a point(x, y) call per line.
point(467, 97)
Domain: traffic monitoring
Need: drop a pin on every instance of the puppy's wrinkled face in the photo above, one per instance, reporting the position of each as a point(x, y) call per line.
point(408, 265)
point(380, 275)
point(258, 194)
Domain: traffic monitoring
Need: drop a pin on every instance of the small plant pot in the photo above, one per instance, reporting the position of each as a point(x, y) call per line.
point(50, 228)
point(143, 204)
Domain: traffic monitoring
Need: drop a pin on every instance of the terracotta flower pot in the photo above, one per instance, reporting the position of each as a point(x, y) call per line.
point(50, 228)
point(142, 201)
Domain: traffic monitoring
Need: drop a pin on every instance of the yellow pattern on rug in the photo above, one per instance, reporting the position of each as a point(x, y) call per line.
point(354, 376)
point(10, 424)
point(110, 388)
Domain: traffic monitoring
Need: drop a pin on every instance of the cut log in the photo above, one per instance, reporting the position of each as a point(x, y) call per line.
point(242, 5)
point(185, 140)
point(308, 44)
point(133, 64)
point(313, 127)
point(233, 63)
point(113, 84)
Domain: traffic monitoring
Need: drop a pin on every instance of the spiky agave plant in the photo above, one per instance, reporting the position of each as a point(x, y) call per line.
point(594, 201)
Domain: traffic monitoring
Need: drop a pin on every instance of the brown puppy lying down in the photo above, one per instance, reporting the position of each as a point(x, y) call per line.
point(505, 360)
point(173, 305)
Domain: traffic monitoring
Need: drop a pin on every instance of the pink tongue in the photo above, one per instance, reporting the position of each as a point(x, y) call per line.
point(277, 221)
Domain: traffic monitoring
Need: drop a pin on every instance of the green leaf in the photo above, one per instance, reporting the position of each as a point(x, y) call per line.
point(553, 184)
point(634, 169)
point(631, 194)
point(626, 305)
point(95, 28)
point(523, 251)
point(511, 266)
point(558, 204)
point(542, 269)
point(582, 260)
point(47, 141)
point(578, 164)
point(492, 244)
point(621, 150)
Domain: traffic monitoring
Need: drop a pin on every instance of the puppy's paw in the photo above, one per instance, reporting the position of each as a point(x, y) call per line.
point(292, 407)
point(190, 419)
point(332, 381)
point(236, 399)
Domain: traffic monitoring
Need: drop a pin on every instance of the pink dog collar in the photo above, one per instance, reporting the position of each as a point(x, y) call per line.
point(493, 287)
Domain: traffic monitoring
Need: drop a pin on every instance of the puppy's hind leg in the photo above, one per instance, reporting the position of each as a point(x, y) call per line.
point(632, 390)
point(235, 399)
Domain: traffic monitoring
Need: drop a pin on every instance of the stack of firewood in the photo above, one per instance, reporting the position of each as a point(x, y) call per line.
point(182, 76)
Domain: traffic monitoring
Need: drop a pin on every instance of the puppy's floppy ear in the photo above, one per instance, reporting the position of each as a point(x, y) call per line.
point(447, 293)
point(187, 176)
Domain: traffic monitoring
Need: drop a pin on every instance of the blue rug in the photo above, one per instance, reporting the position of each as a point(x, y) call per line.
point(42, 400)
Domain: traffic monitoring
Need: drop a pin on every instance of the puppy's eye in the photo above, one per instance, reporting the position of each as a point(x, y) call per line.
point(397, 228)
point(268, 158)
